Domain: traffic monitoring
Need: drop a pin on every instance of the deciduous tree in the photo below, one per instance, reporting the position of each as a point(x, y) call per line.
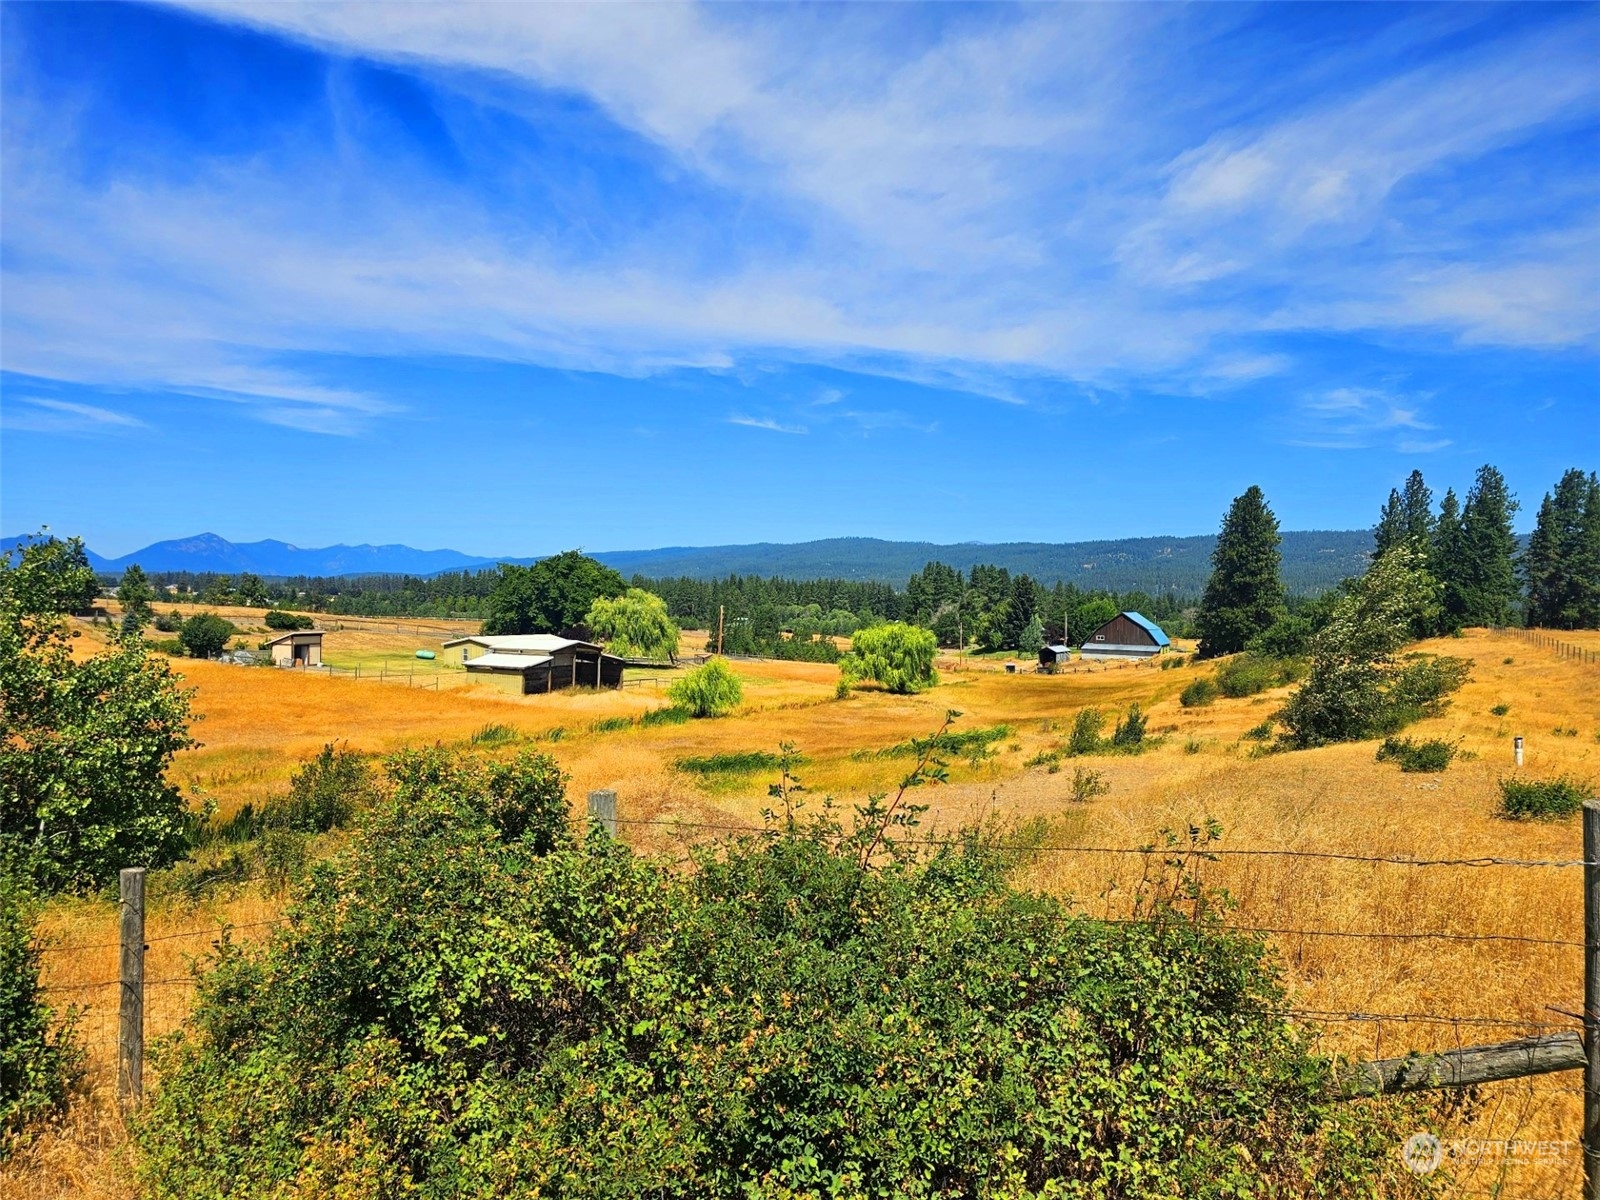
point(205, 635)
point(553, 594)
point(85, 743)
point(634, 625)
point(897, 655)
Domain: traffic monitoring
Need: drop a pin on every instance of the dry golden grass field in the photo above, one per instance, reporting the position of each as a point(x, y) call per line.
point(259, 724)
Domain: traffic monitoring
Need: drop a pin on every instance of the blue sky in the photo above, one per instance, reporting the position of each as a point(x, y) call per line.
point(514, 278)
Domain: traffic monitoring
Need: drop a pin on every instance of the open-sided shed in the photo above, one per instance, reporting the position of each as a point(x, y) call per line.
point(546, 663)
point(1126, 635)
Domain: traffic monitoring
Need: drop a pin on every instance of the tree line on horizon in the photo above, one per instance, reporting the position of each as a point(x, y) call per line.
point(1467, 546)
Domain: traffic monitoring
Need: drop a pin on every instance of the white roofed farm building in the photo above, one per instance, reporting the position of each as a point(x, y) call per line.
point(546, 662)
point(1126, 635)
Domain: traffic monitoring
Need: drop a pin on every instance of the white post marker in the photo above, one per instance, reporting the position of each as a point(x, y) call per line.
point(1516, 750)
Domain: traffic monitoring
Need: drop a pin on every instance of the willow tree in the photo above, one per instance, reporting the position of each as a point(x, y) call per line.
point(634, 625)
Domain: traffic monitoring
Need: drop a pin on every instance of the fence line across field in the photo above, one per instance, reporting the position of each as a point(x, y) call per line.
point(1548, 641)
point(1550, 1047)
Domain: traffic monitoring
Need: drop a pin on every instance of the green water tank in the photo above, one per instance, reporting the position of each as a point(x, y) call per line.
point(425, 654)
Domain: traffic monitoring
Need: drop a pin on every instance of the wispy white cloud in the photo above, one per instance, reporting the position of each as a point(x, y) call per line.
point(44, 414)
point(765, 423)
point(1351, 418)
point(993, 200)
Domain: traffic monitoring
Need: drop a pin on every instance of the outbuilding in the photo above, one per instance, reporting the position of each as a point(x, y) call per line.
point(1126, 635)
point(1053, 656)
point(545, 661)
point(302, 648)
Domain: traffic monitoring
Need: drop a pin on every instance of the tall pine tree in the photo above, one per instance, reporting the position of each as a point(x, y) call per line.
point(1562, 565)
point(1447, 559)
point(1244, 595)
point(1488, 549)
point(1407, 518)
point(1416, 504)
point(1391, 528)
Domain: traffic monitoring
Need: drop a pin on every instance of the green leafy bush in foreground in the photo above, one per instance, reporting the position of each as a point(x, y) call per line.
point(1542, 799)
point(38, 1058)
point(1199, 693)
point(469, 1000)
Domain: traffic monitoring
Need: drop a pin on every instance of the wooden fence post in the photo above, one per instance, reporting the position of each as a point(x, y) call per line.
point(130, 1033)
point(603, 810)
point(1591, 999)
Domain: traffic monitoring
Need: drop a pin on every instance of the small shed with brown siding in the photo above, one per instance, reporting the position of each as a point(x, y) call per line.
point(546, 662)
point(1126, 635)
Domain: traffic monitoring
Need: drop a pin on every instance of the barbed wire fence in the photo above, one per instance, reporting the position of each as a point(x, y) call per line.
point(1545, 1047)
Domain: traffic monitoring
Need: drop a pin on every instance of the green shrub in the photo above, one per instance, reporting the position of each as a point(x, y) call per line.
point(1087, 784)
point(1129, 733)
point(1251, 674)
point(39, 1060)
point(670, 715)
point(742, 762)
point(1542, 799)
point(170, 623)
point(1431, 755)
point(1261, 732)
point(1199, 693)
point(897, 655)
point(1500, 710)
point(1085, 737)
point(611, 724)
point(712, 690)
point(323, 794)
point(957, 743)
point(453, 1009)
point(495, 735)
point(277, 618)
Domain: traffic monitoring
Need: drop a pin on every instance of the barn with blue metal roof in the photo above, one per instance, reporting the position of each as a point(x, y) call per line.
point(1126, 635)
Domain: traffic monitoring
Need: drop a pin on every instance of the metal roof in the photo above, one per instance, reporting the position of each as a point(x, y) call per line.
point(506, 662)
point(522, 643)
point(1149, 627)
point(294, 633)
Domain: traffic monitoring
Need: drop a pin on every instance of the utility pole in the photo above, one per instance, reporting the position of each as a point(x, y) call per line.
point(719, 629)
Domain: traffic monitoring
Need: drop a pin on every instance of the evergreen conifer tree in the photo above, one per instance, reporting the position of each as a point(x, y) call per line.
point(1562, 565)
point(1391, 529)
point(1447, 562)
point(1244, 595)
point(1487, 556)
point(135, 594)
point(1416, 504)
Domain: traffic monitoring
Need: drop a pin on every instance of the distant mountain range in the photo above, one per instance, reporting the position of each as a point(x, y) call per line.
point(1312, 560)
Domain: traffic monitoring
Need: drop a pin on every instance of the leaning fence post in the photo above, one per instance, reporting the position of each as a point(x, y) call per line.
point(130, 1034)
point(1591, 999)
point(603, 810)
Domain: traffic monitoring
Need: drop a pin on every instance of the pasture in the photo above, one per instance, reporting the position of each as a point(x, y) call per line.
point(259, 724)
